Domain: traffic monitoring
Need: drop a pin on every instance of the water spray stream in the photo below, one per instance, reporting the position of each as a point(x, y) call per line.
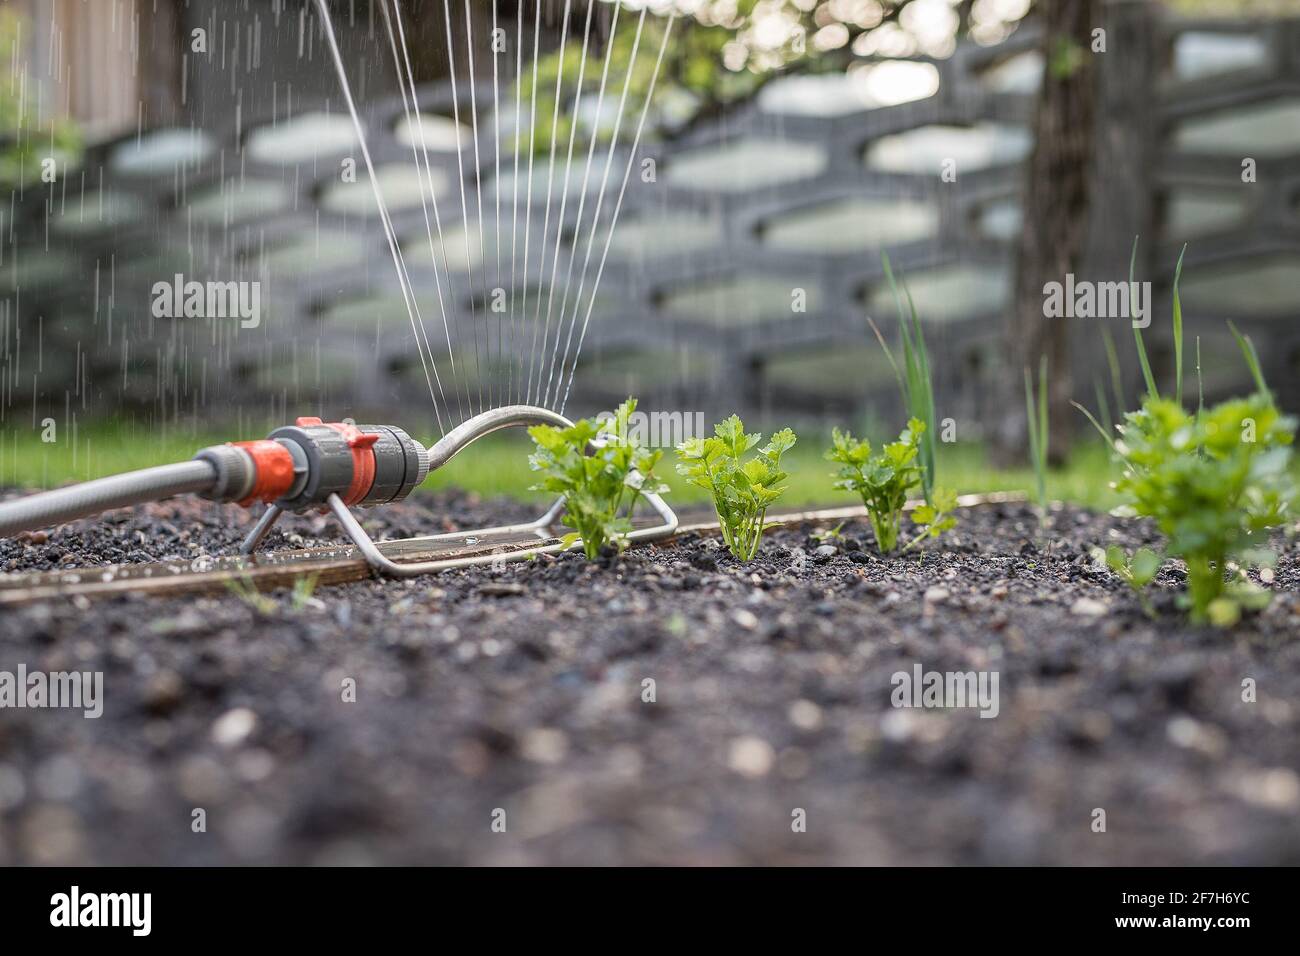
point(550, 183)
point(564, 196)
point(394, 247)
point(586, 175)
point(408, 108)
point(496, 139)
point(582, 203)
point(478, 193)
point(551, 366)
point(627, 174)
point(514, 225)
point(528, 204)
point(460, 179)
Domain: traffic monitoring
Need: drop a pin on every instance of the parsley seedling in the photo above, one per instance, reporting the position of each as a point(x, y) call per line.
point(1213, 482)
point(883, 481)
point(934, 517)
point(742, 490)
point(602, 470)
point(824, 535)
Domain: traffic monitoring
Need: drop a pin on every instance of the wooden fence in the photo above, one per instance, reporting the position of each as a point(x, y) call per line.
point(742, 272)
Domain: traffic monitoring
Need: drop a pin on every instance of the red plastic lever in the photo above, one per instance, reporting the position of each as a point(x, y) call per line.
point(363, 459)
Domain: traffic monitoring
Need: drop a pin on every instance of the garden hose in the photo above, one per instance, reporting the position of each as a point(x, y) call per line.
point(119, 491)
point(296, 467)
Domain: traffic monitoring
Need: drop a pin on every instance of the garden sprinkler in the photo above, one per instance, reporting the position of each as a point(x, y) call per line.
point(335, 466)
point(316, 465)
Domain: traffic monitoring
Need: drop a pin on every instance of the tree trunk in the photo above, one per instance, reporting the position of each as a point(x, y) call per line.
point(1055, 227)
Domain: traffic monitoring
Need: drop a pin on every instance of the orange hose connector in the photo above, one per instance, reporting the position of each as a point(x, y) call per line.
point(272, 470)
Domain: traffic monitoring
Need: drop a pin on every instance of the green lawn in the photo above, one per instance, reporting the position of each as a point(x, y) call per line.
point(497, 465)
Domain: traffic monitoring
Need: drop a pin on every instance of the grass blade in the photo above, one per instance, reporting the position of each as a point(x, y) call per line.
point(1103, 405)
point(1200, 382)
point(1044, 435)
point(1116, 373)
point(915, 381)
point(889, 354)
point(1178, 329)
point(1031, 420)
point(1097, 425)
point(1137, 333)
point(924, 387)
point(1252, 358)
point(1036, 425)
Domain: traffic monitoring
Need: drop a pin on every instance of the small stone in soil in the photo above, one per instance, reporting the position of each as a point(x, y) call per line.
point(233, 727)
point(751, 757)
point(1088, 607)
point(501, 590)
point(164, 692)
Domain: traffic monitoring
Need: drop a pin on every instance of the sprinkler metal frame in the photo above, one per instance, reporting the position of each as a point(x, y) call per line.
point(327, 467)
point(450, 445)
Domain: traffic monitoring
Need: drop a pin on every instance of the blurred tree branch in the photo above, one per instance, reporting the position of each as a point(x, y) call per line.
point(724, 51)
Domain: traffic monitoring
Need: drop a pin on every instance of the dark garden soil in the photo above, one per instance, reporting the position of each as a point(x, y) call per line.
point(522, 690)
